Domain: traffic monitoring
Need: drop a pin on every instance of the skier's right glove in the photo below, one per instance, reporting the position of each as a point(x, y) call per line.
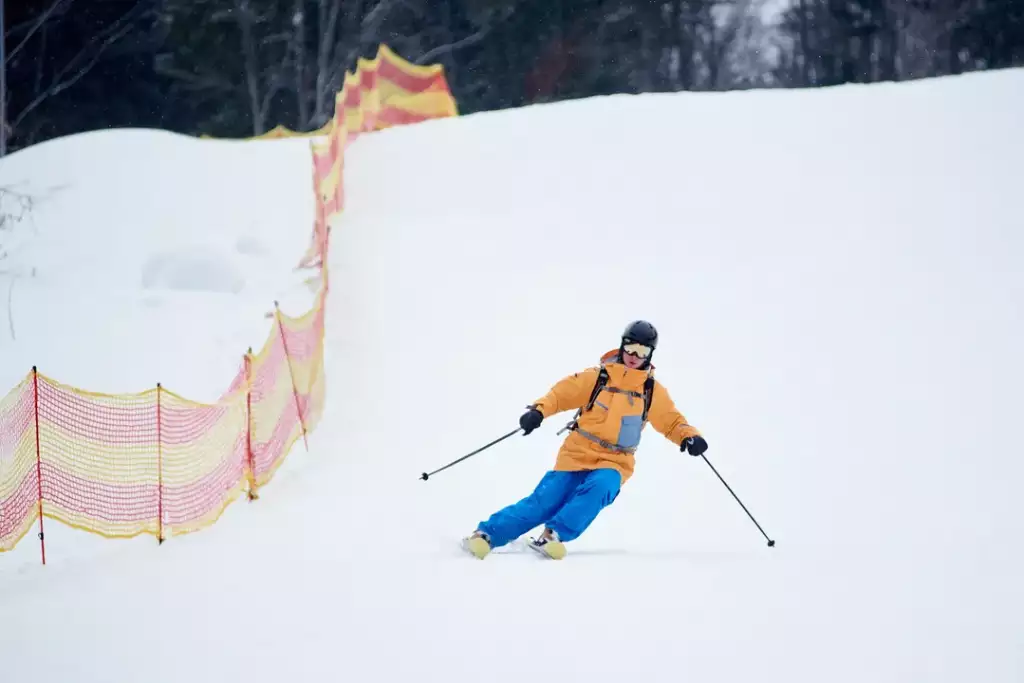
point(695, 444)
point(530, 420)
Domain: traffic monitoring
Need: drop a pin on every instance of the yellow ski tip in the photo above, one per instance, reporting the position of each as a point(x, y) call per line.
point(554, 549)
point(478, 546)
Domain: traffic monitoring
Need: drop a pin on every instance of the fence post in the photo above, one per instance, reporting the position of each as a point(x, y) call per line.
point(159, 466)
point(39, 464)
point(248, 426)
point(288, 358)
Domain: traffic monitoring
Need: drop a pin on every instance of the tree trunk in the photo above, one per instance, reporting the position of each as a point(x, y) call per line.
point(252, 68)
point(326, 41)
point(684, 36)
point(301, 93)
point(805, 48)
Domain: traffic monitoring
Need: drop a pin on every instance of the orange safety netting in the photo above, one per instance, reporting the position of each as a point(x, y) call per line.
point(384, 91)
point(154, 462)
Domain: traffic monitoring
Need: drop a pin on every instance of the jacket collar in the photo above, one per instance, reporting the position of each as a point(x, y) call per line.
point(620, 374)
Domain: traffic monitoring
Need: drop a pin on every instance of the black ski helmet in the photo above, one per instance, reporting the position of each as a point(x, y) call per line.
point(640, 332)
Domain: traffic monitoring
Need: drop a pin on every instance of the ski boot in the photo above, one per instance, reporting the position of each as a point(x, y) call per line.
point(478, 544)
point(549, 544)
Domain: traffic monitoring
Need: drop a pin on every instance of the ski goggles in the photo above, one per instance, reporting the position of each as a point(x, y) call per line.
point(638, 350)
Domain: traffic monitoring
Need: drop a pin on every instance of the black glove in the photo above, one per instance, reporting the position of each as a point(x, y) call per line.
point(696, 445)
point(530, 420)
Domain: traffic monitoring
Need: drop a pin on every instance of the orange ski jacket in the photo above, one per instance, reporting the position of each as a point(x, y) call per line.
point(608, 434)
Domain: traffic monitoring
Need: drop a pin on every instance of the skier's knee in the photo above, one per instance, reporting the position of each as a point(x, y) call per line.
point(606, 484)
point(550, 493)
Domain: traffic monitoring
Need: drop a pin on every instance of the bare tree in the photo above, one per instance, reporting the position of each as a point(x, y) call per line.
point(233, 56)
point(927, 45)
point(719, 24)
point(262, 83)
point(298, 49)
point(49, 85)
point(751, 47)
point(35, 24)
point(327, 73)
point(340, 42)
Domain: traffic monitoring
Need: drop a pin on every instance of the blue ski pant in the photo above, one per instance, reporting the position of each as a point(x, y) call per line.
point(567, 502)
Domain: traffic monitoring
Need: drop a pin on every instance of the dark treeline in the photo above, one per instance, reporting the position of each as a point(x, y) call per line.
point(240, 67)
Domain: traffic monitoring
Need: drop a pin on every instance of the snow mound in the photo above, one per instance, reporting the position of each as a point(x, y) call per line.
point(148, 255)
point(193, 269)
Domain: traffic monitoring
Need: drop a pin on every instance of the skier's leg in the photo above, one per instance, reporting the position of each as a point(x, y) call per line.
point(595, 492)
point(513, 521)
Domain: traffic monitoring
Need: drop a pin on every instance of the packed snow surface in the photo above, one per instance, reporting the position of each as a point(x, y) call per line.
point(836, 276)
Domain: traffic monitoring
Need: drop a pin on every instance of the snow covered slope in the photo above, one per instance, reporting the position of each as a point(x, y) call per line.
point(836, 278)
point(149, 254)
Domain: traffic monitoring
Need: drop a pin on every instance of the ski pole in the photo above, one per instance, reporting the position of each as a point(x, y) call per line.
point(771, 543)
point(427, 475)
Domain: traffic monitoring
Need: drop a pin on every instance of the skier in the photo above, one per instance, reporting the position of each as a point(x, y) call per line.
point(613, 403)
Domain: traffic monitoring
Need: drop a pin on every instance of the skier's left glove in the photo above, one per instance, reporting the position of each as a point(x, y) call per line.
point(696, 445)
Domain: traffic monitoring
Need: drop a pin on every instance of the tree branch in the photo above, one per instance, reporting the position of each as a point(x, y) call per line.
point(375, 17)
point(278, 78)
point(197, 81)
point(115, 32)
point(368, 26)
point(35, 27)
point(469, 40)
point(451, 47)
point(243, 12)
point(325, 53)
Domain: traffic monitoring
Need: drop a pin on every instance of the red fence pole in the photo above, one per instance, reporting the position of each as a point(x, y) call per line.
point(39, 464)
point(248, 425)
point(159, 467)
point(288, 358)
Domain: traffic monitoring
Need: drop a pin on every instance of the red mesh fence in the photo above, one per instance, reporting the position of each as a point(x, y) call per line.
point(157, 463)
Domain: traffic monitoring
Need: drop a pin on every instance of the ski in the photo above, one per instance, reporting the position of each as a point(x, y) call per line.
point(554, 550)
point(479, 548)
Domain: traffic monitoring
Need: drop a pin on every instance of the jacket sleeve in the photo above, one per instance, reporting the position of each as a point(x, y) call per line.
point(568, 393)
point(664, 417)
